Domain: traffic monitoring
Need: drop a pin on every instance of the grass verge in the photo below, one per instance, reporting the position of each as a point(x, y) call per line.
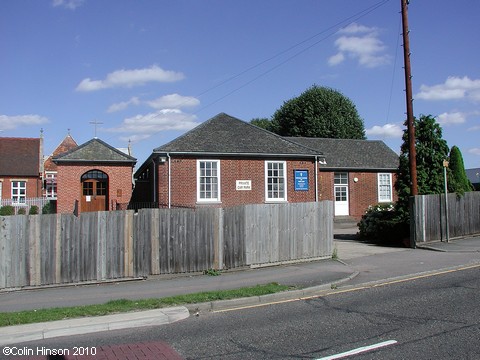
point(123, 305)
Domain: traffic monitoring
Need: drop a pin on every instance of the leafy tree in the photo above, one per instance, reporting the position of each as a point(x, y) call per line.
point(431, 151)
point(319, 112)
point(457, 180)
point(263, 123)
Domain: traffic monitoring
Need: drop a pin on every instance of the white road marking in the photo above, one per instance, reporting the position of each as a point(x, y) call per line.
point(360, 350)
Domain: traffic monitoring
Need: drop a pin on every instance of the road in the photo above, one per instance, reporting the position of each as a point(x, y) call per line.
point(428, 317)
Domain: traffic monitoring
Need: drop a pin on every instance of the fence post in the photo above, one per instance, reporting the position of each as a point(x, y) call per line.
point(218, 239)
point(413, 222)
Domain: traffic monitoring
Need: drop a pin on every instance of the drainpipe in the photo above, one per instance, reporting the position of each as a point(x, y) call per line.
point(169, 180)
point(316, 178)
point(155, 185)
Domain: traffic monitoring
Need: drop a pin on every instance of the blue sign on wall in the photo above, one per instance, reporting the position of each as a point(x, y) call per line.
point(301, 180)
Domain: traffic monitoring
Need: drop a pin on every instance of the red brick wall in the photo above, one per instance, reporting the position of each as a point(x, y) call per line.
point(362, 193)
point(184, 181)
point(34, 186)
point(69, 184)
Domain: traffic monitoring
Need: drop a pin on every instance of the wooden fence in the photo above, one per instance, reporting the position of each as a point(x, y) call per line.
point(40, 250)
point(429, 216)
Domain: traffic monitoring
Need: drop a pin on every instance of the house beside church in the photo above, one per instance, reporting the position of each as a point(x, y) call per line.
point(227, 162)
point(21, 169)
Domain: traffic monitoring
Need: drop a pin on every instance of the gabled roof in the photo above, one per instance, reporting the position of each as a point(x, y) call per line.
point(226, 135)
point(473, 175)
point(66, 145)
point(19, 156)
point(95, 150)
point(353, 154)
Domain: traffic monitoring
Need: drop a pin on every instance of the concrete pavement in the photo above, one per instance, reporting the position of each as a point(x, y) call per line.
point(358, 263)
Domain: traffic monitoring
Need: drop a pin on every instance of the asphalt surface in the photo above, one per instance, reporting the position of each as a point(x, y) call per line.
point(357, 263)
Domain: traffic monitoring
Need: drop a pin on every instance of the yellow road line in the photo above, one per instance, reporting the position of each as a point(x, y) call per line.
point(335, 292)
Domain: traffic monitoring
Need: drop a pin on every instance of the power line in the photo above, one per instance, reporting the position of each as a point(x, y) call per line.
point(330, 31)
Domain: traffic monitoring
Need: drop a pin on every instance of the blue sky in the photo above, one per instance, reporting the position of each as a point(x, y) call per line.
point(147, 71)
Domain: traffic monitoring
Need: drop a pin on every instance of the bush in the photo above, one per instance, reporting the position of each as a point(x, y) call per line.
point(33, 210)
point(48, 209)
point(382, 224)
point(7, 210)
point(21, 211)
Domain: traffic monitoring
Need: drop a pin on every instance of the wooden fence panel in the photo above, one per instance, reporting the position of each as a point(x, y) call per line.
point(53, 249)
point(429, 218)
point(288, 232)
point(234, 233)
point(142, 243)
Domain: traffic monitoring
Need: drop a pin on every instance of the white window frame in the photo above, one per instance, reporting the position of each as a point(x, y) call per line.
point(19, 197)
point(51, 184)
point(389, 188)
point(282, 177)
point(212, 199)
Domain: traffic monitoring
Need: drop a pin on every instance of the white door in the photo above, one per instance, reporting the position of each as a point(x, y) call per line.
point(341, 194)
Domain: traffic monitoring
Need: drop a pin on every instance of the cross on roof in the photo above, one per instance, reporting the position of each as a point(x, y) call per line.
point(95, 123)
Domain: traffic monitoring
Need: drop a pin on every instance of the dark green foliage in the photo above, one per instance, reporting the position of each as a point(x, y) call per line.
point(382, 224)
point(48, 208)
point(33, 210)
point(263, 123)
point(7, 210)
point(457, 177)
point(21, 211)
point(319, 112)
point(431, 151)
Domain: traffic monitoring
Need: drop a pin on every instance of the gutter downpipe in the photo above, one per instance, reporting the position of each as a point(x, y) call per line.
point(169, 181)
point(316, 178)
point(155, 185)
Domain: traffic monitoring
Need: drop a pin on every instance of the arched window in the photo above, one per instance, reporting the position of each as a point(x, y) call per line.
point(94, 183)
point(95, 174)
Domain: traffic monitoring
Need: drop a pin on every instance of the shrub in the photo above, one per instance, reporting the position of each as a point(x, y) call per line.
point(33, 210)
point(7, 210)
point(48, 209)
point(21, 211)
point(382, 224)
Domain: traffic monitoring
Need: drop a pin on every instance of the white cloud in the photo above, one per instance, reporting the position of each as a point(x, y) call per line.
point(453, 88)
point(385, 131)
point(129, 78)
point(474, 151)
point(173, 101)
point(13, 122)
point(355, 28)
point(143, 126)
point(123, 105)
point(360, 43)
point(452, 118)
point(68, 4)
point(336, 59)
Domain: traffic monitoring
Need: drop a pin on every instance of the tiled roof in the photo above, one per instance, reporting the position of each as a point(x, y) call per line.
point(66, 145)
point(224, 134)
point(352, 154)
point(473, 175)
point(95, 150)
point(19, 156)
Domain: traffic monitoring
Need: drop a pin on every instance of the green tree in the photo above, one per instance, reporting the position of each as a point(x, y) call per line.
point(319, 112)
point(263, 123)
point(457, 180)
point(431, 151)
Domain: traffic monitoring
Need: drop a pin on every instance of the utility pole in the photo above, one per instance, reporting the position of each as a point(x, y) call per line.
point(409, 97)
